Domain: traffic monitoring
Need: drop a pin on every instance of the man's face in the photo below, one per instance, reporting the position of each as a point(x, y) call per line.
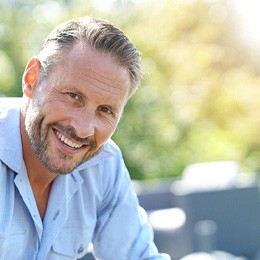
point(76, 108)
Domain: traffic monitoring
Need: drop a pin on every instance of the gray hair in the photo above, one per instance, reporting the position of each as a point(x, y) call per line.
point(98, 34)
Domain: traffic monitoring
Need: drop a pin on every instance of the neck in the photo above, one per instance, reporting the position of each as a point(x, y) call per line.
point(40, 178)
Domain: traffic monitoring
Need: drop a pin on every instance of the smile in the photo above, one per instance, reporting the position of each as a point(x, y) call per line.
point(67, 141)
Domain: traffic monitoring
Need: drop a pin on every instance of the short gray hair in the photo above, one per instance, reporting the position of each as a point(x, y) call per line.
point(98, 34)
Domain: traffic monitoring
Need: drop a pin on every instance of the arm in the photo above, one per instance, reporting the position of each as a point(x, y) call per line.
point(122, 230)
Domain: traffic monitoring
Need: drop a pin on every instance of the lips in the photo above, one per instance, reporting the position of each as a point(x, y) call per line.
point(68, 142)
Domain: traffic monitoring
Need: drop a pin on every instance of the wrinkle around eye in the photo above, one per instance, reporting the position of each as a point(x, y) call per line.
point(106, 110)
point(75, 98)
point(111, 115)
point(73, 95)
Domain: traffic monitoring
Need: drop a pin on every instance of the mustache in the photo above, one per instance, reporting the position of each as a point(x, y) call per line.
point(71, 133)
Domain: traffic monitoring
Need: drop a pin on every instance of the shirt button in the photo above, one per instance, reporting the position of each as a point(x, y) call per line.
point(80, 250)
point(56, 215)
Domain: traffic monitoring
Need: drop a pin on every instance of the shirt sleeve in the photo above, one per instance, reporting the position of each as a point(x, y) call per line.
point(122, 230)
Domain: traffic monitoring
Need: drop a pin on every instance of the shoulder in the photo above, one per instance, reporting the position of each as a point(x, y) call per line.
point(105, 174)
point(106, 167)
point(10, 138)
point(110, 154)
point(9, 102)
point(113, 149)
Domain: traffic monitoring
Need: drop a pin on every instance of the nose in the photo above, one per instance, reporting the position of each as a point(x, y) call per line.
point(84, 124)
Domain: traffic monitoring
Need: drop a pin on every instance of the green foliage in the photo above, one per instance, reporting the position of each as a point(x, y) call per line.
point(200, 94)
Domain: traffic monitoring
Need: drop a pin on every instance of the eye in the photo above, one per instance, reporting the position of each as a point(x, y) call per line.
point(106, 110)
point(73, 95)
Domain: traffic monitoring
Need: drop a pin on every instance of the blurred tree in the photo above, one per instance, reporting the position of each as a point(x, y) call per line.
point(199, 96)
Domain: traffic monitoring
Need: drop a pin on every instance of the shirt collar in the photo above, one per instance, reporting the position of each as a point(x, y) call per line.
point(11, 145)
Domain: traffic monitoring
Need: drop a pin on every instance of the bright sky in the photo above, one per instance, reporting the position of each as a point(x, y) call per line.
point(249, 12)
point(107, 5)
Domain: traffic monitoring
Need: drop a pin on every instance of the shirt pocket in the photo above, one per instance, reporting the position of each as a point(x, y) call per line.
point(12, 245)
point(72, 243)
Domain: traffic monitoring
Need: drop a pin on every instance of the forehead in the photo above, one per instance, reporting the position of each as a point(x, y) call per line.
point(88, 63)
point(93, 73)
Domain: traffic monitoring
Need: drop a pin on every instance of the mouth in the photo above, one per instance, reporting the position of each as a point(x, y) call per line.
point(67, 141)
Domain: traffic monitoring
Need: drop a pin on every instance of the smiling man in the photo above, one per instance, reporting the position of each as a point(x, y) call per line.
point(63, 181)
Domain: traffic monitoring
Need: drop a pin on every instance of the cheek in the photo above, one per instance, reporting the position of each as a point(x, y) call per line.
point(105, 130)
point(54, 111)
point(32, 115)
point(39, 116)
point(54, 103)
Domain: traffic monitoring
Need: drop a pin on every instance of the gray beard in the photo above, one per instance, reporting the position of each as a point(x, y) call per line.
point(39, 142)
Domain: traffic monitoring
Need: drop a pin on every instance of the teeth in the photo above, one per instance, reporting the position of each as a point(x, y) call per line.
point(68, 142)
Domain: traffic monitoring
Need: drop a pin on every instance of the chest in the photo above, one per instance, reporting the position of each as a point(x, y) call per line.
point(66, 230)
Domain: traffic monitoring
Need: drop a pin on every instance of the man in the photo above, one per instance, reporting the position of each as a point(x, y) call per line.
point(63, 181)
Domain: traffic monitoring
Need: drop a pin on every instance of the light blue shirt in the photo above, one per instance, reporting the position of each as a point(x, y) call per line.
point(95, 203)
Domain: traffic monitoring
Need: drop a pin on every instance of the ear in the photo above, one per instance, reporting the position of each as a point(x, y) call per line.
point(30, 76)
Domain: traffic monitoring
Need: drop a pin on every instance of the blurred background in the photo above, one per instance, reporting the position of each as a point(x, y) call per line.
point(199, 98)
point(190, 135)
